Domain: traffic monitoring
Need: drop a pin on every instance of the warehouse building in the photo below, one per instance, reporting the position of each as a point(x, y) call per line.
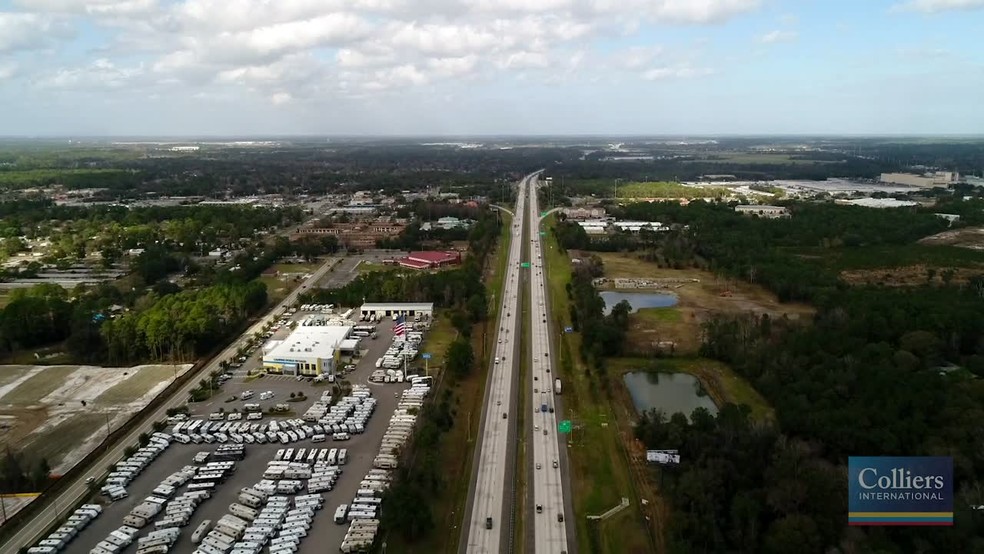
point(429, 259)
point(310, 350)
point(390, 309)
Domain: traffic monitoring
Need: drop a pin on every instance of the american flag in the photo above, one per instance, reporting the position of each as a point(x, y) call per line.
point(400, 327)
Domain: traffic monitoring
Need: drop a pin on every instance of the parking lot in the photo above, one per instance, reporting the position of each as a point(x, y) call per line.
point(324, 534)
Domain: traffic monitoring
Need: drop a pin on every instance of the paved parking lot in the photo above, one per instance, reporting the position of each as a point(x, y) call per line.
point(325, 535)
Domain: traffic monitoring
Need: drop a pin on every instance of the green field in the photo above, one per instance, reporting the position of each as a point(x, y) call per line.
point(40, 385)
point(660, 189)
point(656, 315)
point(135, 386)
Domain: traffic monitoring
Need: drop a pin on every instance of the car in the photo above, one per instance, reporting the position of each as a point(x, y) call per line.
point(488, 523)
point(89, 480)
point(544, 432)
point(539, 508)
point(538, 465)
point(536, 427)
point(551, 409)
point(503, 415)
point(560, 518)
point(555, 463)
point(498, 402)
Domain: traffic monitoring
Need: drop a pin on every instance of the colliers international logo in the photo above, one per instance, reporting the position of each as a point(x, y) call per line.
point(887, 490)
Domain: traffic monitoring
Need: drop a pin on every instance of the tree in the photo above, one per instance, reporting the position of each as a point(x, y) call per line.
point(459, 357)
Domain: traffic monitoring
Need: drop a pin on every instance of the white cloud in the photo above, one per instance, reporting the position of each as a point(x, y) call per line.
point(279, 98)
point(934, 6)
point(100, 74)
point(675, 72)
point(637, 57)
point(27, 31)
point(778, 35)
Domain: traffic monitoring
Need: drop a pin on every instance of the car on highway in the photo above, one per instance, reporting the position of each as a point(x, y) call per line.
point(538, 465)
point(488, 523)
point(555, 463)
point(539, 508)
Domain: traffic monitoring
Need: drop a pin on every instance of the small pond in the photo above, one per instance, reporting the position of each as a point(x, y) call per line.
point(669, 392)
point(638, 300)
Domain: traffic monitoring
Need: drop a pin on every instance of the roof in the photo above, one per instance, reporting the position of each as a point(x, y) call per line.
point(312, 341)
point(432, 256)
point(415, 306)
point(349, 344)
point(413, 264)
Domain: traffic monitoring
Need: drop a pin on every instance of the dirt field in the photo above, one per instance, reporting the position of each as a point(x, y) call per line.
point(968, 237)
point(62, 412)
point(698, 299)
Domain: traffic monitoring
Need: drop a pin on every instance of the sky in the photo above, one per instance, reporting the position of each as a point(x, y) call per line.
point(490, 67)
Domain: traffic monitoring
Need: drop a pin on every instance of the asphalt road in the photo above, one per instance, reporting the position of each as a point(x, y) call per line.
point(488, 491)
point(31, 531)
point(547, 510)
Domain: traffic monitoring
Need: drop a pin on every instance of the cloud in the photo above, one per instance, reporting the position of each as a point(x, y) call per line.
point(936, 6)
point(683, 71)
point(778, 35)
point(28, 31)
point(100, 74)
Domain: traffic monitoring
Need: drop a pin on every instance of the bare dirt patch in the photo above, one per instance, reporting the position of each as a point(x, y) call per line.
point(967, 237)
point(62, 412)
point(701, 294)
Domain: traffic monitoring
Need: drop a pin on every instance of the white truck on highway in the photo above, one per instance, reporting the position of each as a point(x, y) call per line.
point(556, 386)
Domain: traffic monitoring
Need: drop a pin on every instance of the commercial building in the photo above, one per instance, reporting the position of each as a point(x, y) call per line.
point(358, 235)
point(878, 203)
point(429, 259)
point(389, 309)
point(310, 350)
point(771, 212)
point(583, 214)
point(447, 223)
point(938, 179)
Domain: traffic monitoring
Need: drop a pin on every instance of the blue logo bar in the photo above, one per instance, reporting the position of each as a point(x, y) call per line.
point(887, 490)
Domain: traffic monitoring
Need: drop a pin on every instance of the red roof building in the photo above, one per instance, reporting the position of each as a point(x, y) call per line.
point(430, 259)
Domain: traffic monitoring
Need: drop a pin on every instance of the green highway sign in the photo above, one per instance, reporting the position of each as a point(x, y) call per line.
point(525, 264)
point(543, 214)
point(564, 426)
point(543, 233)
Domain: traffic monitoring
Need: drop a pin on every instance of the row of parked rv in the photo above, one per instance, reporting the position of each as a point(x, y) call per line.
point(284, 431)
point(349, 415)
point(323, 308)
point(272, 523)
point(364, 512)
point(402, 422)
point(319, 467)
point(59, 539)
point(400, 352)
point(127, 470)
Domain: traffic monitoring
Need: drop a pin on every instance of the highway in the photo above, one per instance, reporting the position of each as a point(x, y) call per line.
point(31, 531)
point(489, 490)
point(549, 520)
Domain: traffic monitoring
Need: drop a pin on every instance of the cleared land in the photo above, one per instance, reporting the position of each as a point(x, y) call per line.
point(700, 293)
point(659, 189)
point(61, 412)
point(967, 237)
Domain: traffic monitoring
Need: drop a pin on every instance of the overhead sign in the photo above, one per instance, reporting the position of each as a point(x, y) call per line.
point(564, 426)
point(568, 329)
point(426, 355)
point(543, 233)
point(525, 264)
point(662, 456)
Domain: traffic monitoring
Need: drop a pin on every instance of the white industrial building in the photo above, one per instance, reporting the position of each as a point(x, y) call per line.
point(601, 226)
point(389, 309)
point(762, 210)
point(309, 350)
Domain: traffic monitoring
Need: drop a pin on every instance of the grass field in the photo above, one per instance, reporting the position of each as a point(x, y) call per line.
point(601, 473)
point(657, 315)
point(37, 387)
point(659, 189)
point(296, 268)
point(145, 379)
point(54, 443)
point(437, 340)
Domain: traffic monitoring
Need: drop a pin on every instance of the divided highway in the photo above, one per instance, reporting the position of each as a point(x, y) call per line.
point(549, 522)
point(487, 530)
point(64, 502)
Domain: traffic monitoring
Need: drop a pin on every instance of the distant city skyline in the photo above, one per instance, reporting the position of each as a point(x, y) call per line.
point(481, 68)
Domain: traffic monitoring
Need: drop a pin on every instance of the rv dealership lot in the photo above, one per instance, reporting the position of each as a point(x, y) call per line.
point(324, 534)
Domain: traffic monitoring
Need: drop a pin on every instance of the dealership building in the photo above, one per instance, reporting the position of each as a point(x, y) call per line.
point(309, 350)
point(389, 309)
